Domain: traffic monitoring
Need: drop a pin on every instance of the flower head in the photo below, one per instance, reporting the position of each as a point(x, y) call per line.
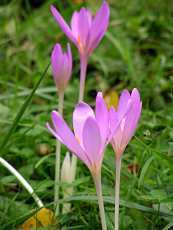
point(85, 31)
point(127, 116)
point(90, 135)
point(61, 66)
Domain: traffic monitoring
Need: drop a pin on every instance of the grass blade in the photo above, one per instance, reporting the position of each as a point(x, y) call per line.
point(23, 108)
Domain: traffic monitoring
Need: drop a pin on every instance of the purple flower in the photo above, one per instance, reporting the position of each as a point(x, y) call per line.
point(127, 115)
point(85, 31)
point(61, 66)
point(90, 135)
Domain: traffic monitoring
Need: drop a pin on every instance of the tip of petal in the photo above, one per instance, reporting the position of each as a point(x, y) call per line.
point(135, 90)
point(81, 104)
point(105, 5)
point(55, 114)
point(57, 45)
point(125, 91)
point(83, 10)
point(100, 94)
point(57, 48)
point(53, 9)
point(135, 94)
point(100, 99)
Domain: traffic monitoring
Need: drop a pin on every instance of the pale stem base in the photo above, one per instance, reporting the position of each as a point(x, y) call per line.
point(117, 193)
point(67, 192)
point(22, 180)
point(58, 159)
point(97, 181)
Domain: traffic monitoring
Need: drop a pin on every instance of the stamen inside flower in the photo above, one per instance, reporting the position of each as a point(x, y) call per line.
point(81, 46)
point(78, 139)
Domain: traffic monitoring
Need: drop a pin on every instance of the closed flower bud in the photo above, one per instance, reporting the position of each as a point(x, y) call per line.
point(61, 63)
point(67, 177)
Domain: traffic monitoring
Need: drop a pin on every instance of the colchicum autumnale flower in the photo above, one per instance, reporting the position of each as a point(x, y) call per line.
point(88, 142)
point(61, 63)
point(127, 115)
point(90, 132)
point(86, 31)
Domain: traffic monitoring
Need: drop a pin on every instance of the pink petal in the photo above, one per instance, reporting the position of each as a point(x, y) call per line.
point(80, 115)
point(74, 24)
point(116, 134)
point(80, 24)
point(92, 141)
point(113, 123)
point(84, 23)
point(99, 26)
point(131, 122)
point(135, 96)
point(64, 26)
point(53, 132)
point(123, 101)
point(56, 61)
point(64, 134)
point(102, 117)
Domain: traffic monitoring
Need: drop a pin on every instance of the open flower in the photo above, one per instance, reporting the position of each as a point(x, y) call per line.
point(90, 132)
point(127, 115)
point(86, 31)
point(61, 63)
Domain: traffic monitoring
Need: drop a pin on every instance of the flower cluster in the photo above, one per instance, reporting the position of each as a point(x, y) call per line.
point(92, 131)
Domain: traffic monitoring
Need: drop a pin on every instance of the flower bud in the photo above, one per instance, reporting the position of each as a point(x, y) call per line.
point(67, 177)
point(61, 63)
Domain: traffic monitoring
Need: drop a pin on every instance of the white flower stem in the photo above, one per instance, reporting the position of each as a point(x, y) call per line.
point(83, 69)
point(22, 180)
point(58, 159)
point(117, 192)
point(98, 185)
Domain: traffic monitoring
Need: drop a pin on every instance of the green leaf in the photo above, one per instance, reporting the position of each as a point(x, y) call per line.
point(144, 171)
point(127, 204)
point(22, 109)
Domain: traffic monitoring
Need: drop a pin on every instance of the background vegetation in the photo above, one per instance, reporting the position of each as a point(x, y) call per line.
point(137, 51)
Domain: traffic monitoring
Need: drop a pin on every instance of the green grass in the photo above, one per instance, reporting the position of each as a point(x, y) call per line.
point(137, 51)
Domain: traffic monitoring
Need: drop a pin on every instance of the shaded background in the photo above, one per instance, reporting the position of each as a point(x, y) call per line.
point(137, 51)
